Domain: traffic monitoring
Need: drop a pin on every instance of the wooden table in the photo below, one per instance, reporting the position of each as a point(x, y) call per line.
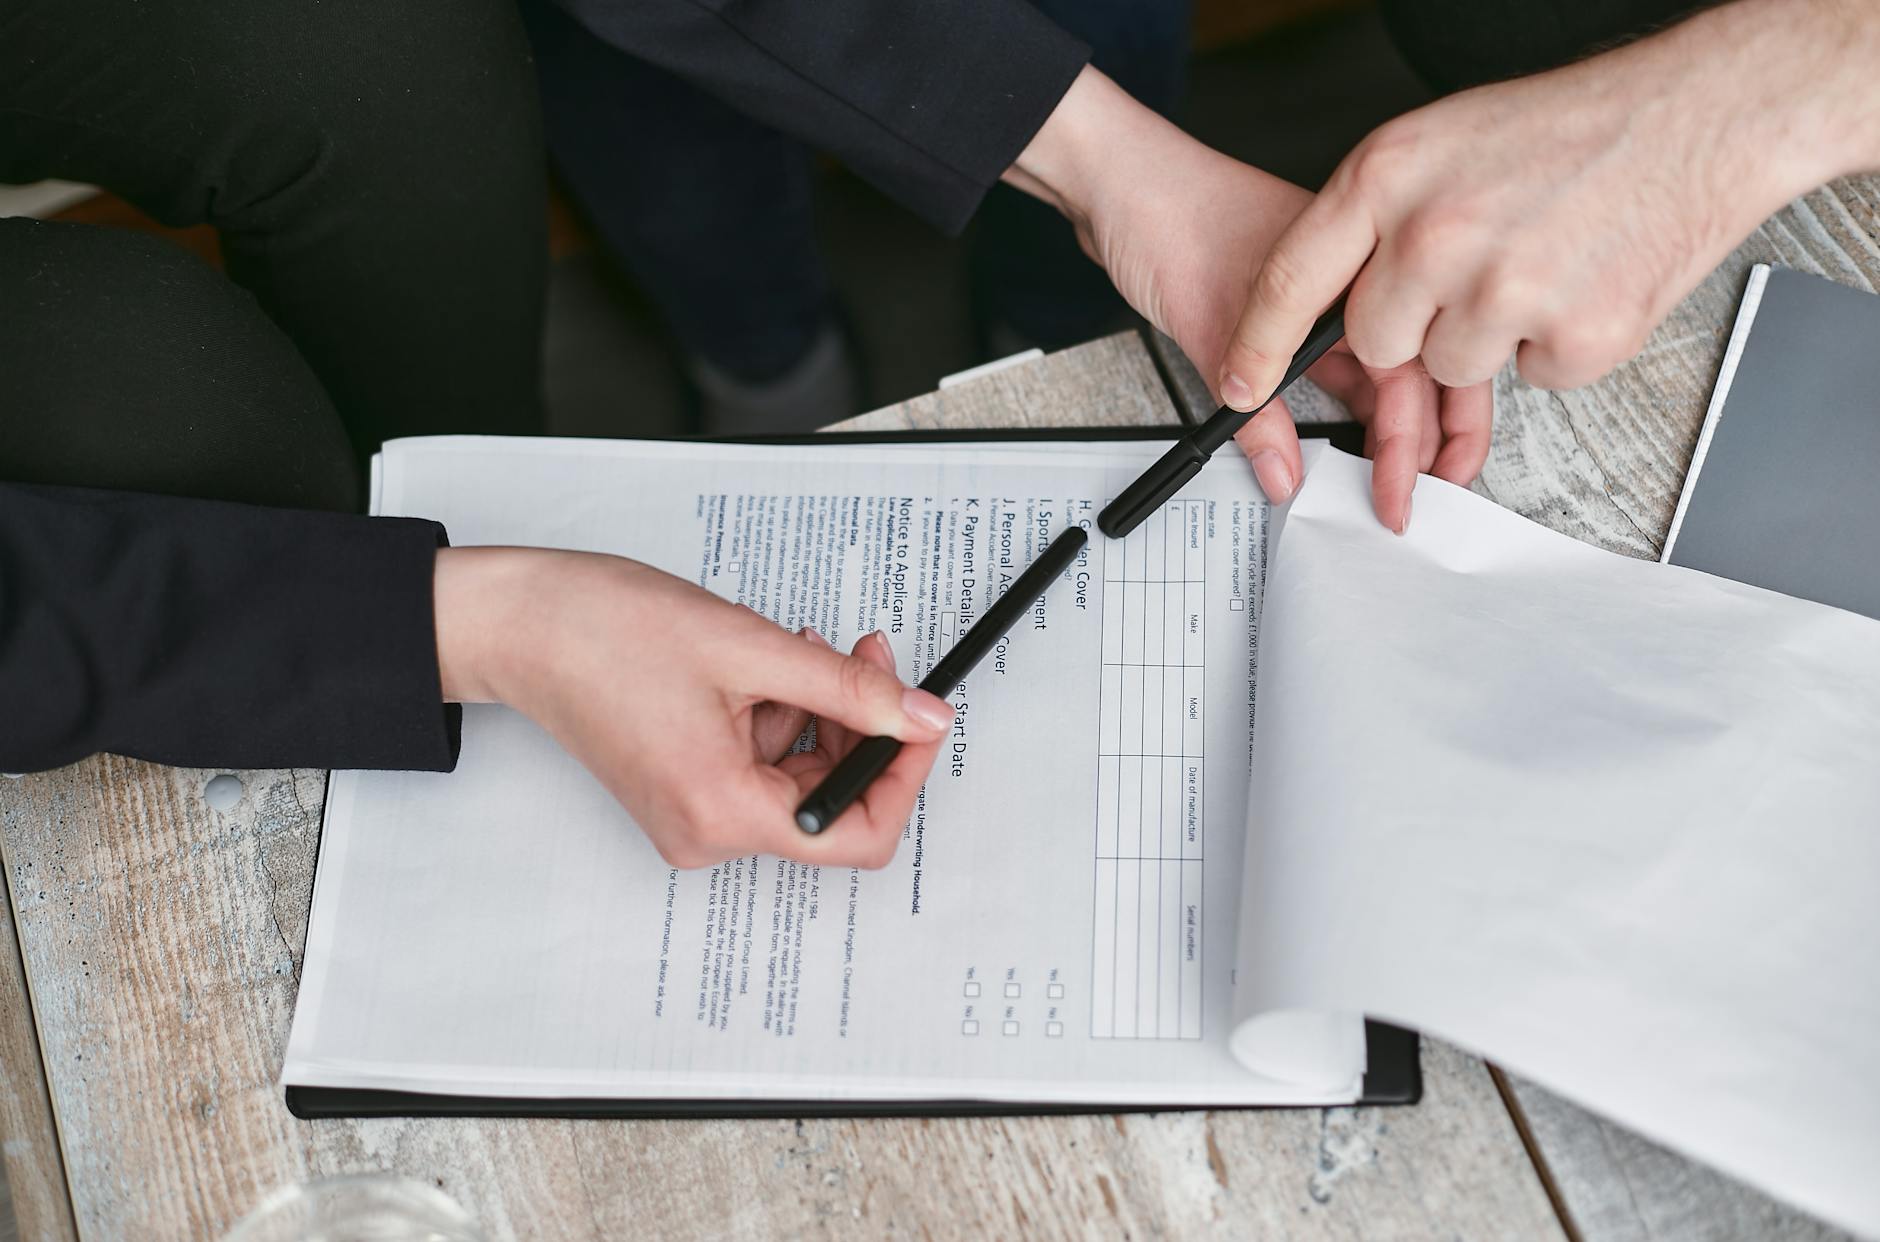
point(159, 939)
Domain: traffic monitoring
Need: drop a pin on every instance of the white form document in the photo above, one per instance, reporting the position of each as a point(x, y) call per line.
point(1614, 824)
point(1059, 923)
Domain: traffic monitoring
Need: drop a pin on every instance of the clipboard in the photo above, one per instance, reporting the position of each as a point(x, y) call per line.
point(1393, 1074)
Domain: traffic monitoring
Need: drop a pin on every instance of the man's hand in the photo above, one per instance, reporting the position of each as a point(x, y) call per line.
point(686, 707)
point(1181, 229)
point(1558, 218)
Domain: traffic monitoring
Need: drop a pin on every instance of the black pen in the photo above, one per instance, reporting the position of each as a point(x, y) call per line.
point(1183, 462)
point(837, 791)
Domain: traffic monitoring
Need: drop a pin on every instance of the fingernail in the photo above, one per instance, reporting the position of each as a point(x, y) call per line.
point(1234, 391)
point(1275, 478)
point(810, 633)
point(882, 640)
point(924, 707)
point(1404, 523)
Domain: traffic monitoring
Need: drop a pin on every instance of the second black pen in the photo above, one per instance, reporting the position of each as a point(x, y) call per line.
point(837, 791)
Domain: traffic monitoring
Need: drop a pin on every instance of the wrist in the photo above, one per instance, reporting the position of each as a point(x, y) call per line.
point(1074, 160)
point(476, 596)
point(1786, 99)
point(1828, 51)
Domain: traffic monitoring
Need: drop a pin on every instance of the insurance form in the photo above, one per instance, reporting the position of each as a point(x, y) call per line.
point(1059, 923)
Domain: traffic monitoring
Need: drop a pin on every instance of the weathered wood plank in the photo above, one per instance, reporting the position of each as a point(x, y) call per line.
point(162, 950)
point(1338, 1173)
point(1109, 382)
point(166, 946)
point(34, 1202)
point(1619, 1187)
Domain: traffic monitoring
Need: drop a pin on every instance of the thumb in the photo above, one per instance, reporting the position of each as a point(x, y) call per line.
point(852, 689)
point(1308, 267)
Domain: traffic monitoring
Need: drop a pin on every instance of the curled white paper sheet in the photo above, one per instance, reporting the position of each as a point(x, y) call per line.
point(1614, 824)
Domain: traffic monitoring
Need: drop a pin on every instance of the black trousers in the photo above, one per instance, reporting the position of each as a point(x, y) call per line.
point(723, 239)
point(375, 174)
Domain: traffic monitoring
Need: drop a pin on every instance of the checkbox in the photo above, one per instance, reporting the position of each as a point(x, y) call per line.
point(732, 567)
point(1012, 991)
point(1054, 1030)
point(969, 1027)
point(1236, 604)
point(1055, 991)
point(1011, 1028)
point(972, 989)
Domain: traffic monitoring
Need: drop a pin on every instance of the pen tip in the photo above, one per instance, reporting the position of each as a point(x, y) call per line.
point(809, 821)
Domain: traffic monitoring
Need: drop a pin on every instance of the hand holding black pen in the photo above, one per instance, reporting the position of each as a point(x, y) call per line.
point(1184, 460)
point(852, 775)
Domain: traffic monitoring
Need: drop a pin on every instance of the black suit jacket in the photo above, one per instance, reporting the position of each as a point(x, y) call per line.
point(205, 634)
point(931, 100)
point(209, 634)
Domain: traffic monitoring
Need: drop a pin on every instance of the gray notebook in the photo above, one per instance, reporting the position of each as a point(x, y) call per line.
point(1784, 488)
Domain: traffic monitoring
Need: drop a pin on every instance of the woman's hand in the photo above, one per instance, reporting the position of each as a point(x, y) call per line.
point(1181, 229)
point(685, 706)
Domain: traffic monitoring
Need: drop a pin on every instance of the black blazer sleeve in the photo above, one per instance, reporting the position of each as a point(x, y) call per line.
point(930, 100)
point(203, 633)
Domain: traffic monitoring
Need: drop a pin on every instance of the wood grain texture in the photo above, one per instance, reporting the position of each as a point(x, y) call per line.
point(1109, 382)
point(163, 940)
point(1619, 1187)
point(34, 1202)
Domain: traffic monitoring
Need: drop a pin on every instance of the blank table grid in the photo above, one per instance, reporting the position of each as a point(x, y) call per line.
point(1149, 838)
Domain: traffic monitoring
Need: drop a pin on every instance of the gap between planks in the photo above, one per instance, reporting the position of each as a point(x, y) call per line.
point(39, 1198)
point(1535, 1156)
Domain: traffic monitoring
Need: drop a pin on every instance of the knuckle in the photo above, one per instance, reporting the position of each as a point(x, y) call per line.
point(1534, 366)
point(1450, 369)
point(1431, 239)
point(1461, 357)
point(1280, 281)
point(1384, 344)
point(1591, 344)
point(856, 682)
point(1508, 293)
point(1381, 161)
point(1540, 365)
point(1365, 346)
point(1368, 337)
